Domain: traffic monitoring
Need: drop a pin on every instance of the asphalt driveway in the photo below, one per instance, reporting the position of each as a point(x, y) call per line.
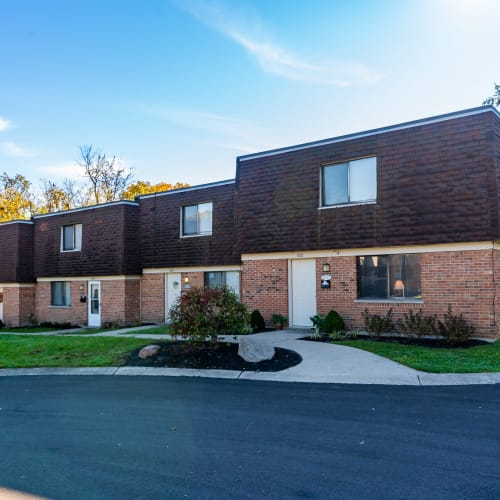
point(156, 437)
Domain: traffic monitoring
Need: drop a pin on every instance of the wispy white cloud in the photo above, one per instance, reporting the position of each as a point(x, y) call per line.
point(221, 131)
point(202, 120)
point(13, 150)
point(274, 58)
point(4, 124)
point(63, 170)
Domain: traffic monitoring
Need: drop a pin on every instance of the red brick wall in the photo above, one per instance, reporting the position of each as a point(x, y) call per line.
point(496, 258)
point(153, 298)
point(18, 305)
point(463, 279)
point(195, 279)
point(264, 286)
point(132, 301)
point(119, 303)
point(153, 294)
point(76, 314)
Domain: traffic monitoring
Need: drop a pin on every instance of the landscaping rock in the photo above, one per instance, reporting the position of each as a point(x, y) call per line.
point(149, 351)
point(253, 351)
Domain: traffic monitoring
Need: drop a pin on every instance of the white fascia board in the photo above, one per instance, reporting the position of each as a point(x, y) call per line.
point(389, 250)
point(89, 207)
point(185, 190)
point(91, 278)
point(197, 269)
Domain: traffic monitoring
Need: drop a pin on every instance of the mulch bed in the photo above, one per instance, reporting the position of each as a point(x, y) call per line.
point(425, 342)
point(221, 356)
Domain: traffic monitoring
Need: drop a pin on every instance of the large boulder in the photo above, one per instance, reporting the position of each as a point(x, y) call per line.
point(252, 350)
point(149, 351)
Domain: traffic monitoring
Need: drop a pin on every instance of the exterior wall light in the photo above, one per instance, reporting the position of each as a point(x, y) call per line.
point(326, 267)
point(186, 279)
point(83, 297)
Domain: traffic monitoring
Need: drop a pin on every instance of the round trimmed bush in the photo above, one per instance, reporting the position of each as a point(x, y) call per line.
point(333, 322)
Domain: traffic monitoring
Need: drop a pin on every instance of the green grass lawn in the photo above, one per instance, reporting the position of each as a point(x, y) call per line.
point(29, 329)
point(154, 330)
point(68, 331)
point(485, 358)
point(29, 351)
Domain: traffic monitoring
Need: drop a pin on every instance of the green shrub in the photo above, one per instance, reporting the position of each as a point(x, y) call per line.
point(376, 324)
point(202, 314)
point(318, 321)
point(257, 321)
point(454, 328)
point(342, 335)
point(54, 324)
point(333, 322)
point(417, 325)
point(279, 319)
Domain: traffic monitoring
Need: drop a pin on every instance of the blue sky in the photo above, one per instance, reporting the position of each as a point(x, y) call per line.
point(178, 88)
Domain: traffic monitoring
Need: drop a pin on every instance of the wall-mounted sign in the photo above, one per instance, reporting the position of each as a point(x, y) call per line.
point(326, 277)
point(326, 283)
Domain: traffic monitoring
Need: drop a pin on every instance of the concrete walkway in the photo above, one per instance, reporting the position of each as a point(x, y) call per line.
point(322, 363)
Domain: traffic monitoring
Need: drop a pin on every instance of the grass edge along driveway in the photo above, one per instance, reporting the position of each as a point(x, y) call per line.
point(30, 351)
point(477, 359)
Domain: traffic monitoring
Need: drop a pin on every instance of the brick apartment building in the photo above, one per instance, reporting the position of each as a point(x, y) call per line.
point(402, 217)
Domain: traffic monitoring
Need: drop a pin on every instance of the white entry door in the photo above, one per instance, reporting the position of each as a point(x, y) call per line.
point(172, 291)
point(303, 291)
point(94, 303)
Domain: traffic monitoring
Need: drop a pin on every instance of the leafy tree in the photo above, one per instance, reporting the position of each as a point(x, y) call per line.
point(55, 198)
point(16, 200)
point(144, 187)
point(493, 100)
point(107, 178)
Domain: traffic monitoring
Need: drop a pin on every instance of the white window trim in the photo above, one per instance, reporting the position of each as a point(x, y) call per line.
point(77, 238)
point(389, 298)
point(237, 275)
point(66, 292)
point(352, 203)
point(401, 300)
point(197, 235)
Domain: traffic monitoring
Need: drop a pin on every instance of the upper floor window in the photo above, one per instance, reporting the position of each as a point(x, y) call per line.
point(197, 219)
point(389, 276)
point(71, 238)
point(60, 293)
point(350, 182)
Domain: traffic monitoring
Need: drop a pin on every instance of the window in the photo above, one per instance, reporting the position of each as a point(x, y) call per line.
point(197, 219)
point(217, 279)
point(350, 182)
point(60, 293)
point(71, 238)
point(389, 276)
